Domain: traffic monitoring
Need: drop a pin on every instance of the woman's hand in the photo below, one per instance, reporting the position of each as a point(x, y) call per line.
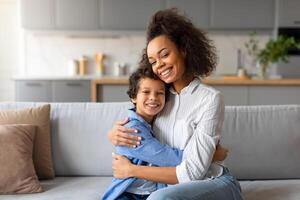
point(119, 135)
point(121, 166)
point(220, 153)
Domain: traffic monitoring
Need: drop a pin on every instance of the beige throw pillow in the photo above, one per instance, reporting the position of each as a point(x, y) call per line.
point(40, 117)
point(17, 174)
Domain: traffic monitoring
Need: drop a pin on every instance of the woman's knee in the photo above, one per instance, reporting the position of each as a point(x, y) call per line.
point(161, 194)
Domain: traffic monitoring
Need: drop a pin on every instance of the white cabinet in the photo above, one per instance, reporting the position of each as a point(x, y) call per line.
point(77, 14)
point(128, 14)
point(197, 10)
point(233, 14)
point(37, 14)
point(289, 13)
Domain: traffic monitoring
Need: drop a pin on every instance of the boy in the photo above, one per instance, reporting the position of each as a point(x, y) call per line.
point(148, 94)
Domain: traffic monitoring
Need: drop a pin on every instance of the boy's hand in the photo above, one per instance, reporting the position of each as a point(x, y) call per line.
point(121, 166)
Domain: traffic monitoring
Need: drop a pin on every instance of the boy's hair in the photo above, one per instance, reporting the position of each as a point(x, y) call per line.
point(137, 76)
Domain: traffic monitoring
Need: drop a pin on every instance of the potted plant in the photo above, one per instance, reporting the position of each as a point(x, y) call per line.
point(274, 51)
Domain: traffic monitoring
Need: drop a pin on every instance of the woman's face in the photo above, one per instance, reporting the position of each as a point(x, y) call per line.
point(166, 59)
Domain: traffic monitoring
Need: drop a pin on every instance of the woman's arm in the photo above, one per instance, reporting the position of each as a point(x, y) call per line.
point(123, 168)
point(119, 135)
point(151, 150)
point(156, 174)
point(200, 149)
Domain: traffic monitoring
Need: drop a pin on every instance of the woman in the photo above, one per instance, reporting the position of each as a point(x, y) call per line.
point(179, 54)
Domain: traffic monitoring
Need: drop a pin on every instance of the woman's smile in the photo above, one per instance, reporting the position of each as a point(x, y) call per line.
point(165, 72)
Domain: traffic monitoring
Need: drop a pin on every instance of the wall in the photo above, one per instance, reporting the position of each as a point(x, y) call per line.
point(9, 50)
point(36, 54)
point(228, 43)
point(49, 54)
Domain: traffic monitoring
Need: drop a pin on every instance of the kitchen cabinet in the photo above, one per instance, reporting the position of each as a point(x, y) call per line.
point(288, 13)
point(118, 15)
point(37, 14)
point(71, 91)
point(234, 95)
point(60, 14)
point(197, 10)
point(53, 90)
point(112, 93)
point(127, 14)
point(271, 95)
point(259, 95)
point(235, 92)
point(77, 14)
point(33, 91)
point(242, 14)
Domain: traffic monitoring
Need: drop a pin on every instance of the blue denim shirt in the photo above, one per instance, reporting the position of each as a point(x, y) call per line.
point(150, 151)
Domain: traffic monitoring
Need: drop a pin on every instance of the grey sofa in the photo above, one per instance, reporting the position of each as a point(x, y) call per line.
point(264, 144)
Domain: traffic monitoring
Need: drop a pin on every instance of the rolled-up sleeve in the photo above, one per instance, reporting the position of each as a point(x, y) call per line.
point(199, 151)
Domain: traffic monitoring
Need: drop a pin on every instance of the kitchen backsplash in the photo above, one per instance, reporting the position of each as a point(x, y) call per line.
point(49, 55)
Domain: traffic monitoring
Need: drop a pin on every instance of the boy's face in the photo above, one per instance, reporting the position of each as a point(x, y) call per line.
point(150, 98)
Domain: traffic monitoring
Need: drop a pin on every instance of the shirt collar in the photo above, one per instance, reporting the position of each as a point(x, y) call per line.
point(190, 88)
point(133, 115)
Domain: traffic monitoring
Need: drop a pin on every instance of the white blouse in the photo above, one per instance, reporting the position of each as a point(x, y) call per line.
point(192, 120)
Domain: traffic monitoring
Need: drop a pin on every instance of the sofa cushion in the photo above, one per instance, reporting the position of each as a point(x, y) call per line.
point(39, 116)
point(17, 171)
point(79, 135)
point(263, 141)
point(84, 125)
point(63, 188)
point(271, 190)
point(92, 188)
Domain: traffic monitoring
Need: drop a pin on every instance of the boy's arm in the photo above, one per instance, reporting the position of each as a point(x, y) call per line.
point(151, 150)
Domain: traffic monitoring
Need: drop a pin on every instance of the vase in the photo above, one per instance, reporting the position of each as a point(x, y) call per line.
point(262, 71)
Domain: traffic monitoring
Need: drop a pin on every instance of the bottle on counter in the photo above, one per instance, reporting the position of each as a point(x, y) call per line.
point(83, 63)
point(99, 64)
point(123, 69)
point(116, 68)
point(119, 69)
point(73, 68)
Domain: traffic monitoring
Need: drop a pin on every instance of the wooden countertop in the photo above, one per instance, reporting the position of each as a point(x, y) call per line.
point(117, 81)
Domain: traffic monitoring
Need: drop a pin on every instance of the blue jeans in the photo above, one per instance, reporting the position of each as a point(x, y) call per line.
point(130, 196)
point(225, 187)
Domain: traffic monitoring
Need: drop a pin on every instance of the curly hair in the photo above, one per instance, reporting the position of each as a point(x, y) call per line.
point(200, 59)
point(135, 78)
